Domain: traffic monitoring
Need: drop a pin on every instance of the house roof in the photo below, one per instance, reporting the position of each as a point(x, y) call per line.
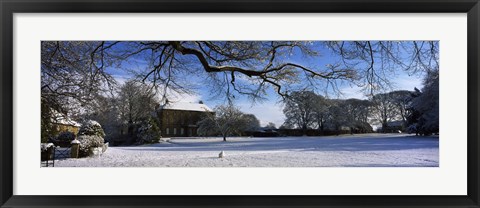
point(59, 118)
point(186, 106)
point(394, 123)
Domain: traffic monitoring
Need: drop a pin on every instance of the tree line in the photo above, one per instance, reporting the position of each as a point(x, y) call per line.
point(410, 111)
point(129, 116)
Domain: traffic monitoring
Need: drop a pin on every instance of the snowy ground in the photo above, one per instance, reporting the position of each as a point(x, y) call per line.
point(372, 150)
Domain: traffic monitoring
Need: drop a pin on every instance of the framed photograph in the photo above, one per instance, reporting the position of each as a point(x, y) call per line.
point(269, 103)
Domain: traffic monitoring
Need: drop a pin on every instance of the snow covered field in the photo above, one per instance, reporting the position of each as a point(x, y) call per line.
point(371, 150)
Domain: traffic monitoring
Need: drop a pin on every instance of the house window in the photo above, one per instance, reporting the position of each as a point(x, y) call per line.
point(168, 131)
point(174, 131)
point(181, 131)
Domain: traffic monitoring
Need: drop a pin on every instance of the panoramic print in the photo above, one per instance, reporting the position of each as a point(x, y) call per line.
point(239, 104)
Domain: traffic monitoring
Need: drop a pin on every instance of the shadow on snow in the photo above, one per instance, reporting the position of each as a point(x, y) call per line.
point(295, 144)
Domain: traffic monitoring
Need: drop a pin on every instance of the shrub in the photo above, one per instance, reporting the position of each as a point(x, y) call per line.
point(66, 136)
point(91, 127)
point(88, 141)
point(412, 128)
point(148, 132)
point(363, 127)
point(90, 135)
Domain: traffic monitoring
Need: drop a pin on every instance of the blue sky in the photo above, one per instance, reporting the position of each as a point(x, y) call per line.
point(271, 109)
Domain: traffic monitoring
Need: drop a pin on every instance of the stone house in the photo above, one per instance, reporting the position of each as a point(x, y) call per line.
point(393, 127)
point(64, 123)
point(180, 119)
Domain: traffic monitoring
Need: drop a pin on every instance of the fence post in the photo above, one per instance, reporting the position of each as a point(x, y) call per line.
point(75, 148)
point(51, 154)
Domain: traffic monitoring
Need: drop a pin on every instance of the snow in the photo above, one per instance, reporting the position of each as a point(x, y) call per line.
point(373, 150)
point(45, 146)
point(92, 123)
point(59, 118)
point(187, 106)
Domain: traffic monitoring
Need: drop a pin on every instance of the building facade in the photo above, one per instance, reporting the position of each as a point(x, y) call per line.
point(180, 119)
point(63, 123)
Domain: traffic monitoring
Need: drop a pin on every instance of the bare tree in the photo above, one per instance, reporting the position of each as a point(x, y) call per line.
point(250, 122)
point(299, 109)
point(226, 120)
point(402, 99)
point(71, 77)
point(377, 61)
point(391, 106)
point(251, 67)
point(357, 113)
point(234, 66)
point(106, 110)
point(74, 70)
point(136, 103)
point(384, 109)
point(338, 116)
point(321, 111)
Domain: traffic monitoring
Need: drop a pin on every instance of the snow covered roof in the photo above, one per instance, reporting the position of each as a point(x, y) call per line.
point(59, 118)
point(394, 123)
point(45, 146)
point(186, 106)
point(92, 123)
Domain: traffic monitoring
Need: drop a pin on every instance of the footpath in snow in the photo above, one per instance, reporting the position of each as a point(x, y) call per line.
point(370, 150)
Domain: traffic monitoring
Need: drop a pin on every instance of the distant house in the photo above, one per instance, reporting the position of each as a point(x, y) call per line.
point(63, 123)
point(264, 132)
point(392, 127)
point(180, 119)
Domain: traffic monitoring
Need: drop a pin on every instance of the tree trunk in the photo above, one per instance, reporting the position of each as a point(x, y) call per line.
point(130, 138)
point(224, 138)
point(384, 126)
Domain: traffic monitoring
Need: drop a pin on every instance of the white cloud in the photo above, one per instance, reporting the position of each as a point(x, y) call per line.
point(352, 92)
point(266, 112)
point(404, 82)
point(185, 98)
point(120, 79)
point(408, 82)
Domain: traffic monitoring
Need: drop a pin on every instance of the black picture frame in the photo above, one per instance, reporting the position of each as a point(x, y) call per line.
point(9, 7)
